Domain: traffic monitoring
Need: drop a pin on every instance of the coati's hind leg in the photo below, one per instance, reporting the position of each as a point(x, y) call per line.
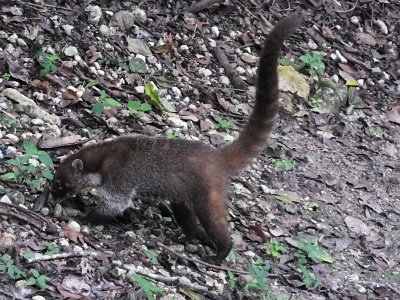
point(212, 215)
point(188, 221)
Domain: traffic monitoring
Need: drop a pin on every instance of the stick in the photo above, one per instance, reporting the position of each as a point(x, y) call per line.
point(59, 256)
point(237, 82)
point(195, 260)
point(30, 217)
point(348, 10)
point(202, 4)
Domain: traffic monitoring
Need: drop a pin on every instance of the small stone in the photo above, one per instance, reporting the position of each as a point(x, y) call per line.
point(38, 297)
point(13, 138)
point(139, 89)
point(177, 92)
point(17, 197)
point(125, 19)
point(23, 289)
point(237, 239)
point(74, 225)
point(72, 212)
point(45, 211)
point(224, 80)
point(21, 42)
point(139, 14)
point(13, 38)
point(71, 51)
point(67, 29)
point(205, 72)
point(176, 122)
point(240, 70)
point(184, 48)
point(11, 150)
point(215, 31)
point(95, 13)
point(191, 248)
point(37, 122)
point(34, 162)
point(57, 210)
point(241, 204)
point(355, 20)
point(105, 30)
point(5, 199)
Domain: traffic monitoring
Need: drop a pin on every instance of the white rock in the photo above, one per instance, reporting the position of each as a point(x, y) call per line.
point(21, 42)
point(142, 57)
point(67, 29)
point(240, 70)
point(342, 59)
point(139, 89)
point(382, 26)
point(176, 122)
point(38, 297)
point(205, 72)
point(104, 30)
point(224, 80)
point(34, 162)
point(139, 14)
point(13, 38)
point(5, 199)
point(355, 20)
point(184, 48)
point(13, 138)
point(37, 122)
point(74, 225)
point(95, 13)
point(11, 150)
point(215, 31)
point(71, 51)
point(177, 92)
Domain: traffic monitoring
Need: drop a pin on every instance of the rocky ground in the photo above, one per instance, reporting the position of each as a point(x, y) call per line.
point(315, 217)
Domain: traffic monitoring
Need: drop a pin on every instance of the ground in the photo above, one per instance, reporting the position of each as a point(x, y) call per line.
point(315, 217)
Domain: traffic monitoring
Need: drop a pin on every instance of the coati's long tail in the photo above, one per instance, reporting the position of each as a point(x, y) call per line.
point(252, 139)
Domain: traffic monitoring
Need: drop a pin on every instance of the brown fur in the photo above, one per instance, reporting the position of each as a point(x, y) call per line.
point(192, 175)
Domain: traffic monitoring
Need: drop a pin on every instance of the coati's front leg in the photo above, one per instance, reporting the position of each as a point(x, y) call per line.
point(190, 224)
point(212, 215)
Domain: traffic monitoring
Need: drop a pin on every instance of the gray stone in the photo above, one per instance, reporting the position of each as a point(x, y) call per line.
point(71, 51)
point(95, 13)
point(105, 30)
point(125, 19)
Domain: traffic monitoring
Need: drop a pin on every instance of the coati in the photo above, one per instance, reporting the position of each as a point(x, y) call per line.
point(191, 174)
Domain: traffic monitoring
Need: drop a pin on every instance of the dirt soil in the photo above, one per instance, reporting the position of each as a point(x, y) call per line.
point(317, 216)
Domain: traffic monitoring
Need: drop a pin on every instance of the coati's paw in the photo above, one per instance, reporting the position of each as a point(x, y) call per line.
point(213, 260)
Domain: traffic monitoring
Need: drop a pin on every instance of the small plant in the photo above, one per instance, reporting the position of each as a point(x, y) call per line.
point(6, 76)
point(151, 91)
point(232, 279)
point(104, 101)
point(152, 256)
point(47, 61)
point(314, 62)
point(275, 248)
point(259, 270)
point(223, 124)
point(173, 134)
point(231, 256)
point(51, 249)
point(377, 131)
point(316, 102)
point(147, 286)
point(308, 278)
point(314, 252)
point(284, 164)
point(32, 278)
point(35, 278)
point(25, 172)
point(138, 109)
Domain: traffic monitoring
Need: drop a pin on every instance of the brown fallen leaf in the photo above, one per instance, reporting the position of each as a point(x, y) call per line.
point(56, 142)
point(394, 115)
point(365, 38)
point(72, 234)
point(356, 225)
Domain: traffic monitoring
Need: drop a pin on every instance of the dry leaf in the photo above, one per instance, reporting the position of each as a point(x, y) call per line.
point(72, 234)
point(357, 226)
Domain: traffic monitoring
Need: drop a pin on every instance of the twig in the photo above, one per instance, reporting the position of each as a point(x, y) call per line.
point(195, 260)
point(230, 72)
point(347, 10)
point(30, 217)
point(59, 256)
point(351, 58)
point(38, 6)
point(202, 4)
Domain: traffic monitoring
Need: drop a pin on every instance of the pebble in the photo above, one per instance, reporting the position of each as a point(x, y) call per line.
point(355, 20)
point(67, 29)
point(105, 30)
point(184, 48)
point(38, 297)
point(139, 89)
point(139, 14)
point(215, 31)
point(342, 59)
point(13, 138)
point(57, 210)
point(74, 225)
point(177, 92)
point(21, 42)
point(5, 199)
point(224, 80)
point(11, 150)
point(45, 211)
point(13, 38)
point(37, 122)
point(71, 51)
point(382, 26)
point(205, 72)
point(95, 13)
point(240, 70)
point(34, 162)
point(176, 122)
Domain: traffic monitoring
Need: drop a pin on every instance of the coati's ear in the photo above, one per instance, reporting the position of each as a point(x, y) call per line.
point(77, 165)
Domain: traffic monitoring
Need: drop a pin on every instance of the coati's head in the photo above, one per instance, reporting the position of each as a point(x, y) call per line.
point(68, 180)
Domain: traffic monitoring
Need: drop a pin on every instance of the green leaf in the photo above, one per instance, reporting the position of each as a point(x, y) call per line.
point(145, 107)
point(14, 162)
point(168, 106)
point(35, 272)
point(147, 286)
point(41, 281)
point(30, 281)
point(9, 177)
point(134, 105)
point(110, 102)
point(47, 174)
point(31, 169)
point(24, 158)
point(352, 82)
point(138, 65)
point(29, 255)
point(45, 158)
point(92, 83)
point(151, 256)
point(98, 109)
point(232, 281)
point(151, 91)
point(30, 148)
